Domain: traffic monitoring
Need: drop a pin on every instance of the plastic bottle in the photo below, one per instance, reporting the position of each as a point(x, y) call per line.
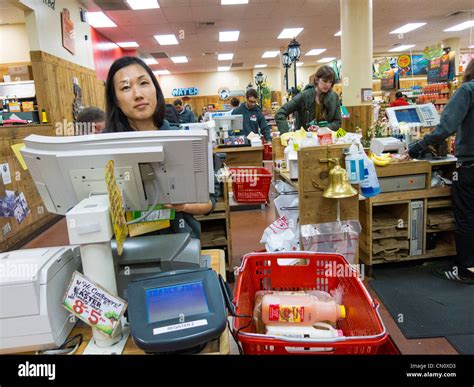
point(355, 165)
point(44, 119)
point(302, 310)
point(288, 149)
point(370, 185)
point(317, 331)
point(309, 141)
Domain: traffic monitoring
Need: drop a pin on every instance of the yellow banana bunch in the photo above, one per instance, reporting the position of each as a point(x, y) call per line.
point(382, 160)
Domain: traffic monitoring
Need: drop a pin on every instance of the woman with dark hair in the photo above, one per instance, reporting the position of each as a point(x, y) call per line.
point(135, 102)
point(317, 102)
point(458, 118)
point(134, 98)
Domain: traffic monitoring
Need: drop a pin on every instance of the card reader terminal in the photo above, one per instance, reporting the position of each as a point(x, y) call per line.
point(177, 311)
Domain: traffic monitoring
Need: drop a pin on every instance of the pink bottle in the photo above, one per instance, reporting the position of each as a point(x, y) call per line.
point(300, 309)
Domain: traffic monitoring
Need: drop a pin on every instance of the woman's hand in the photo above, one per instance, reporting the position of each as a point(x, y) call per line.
point(193, 208)
point(177, 207)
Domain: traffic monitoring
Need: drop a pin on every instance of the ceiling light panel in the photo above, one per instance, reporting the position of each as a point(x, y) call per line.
point(407, 28)
point(270, 54)
point(403, 47)
point(460, 27)
point(233, 2)
point(223, 68)
point(99, 20)
point(150, 61)
point(161, 72)
point(229, 36)
point(179, 59)
point(260, 66)
point(166, 40)
point(143, 4)
point(128, 44)
point(289, 33)
point(326, 60)
point(315, 51)
point(225, 56)
point(338, 33)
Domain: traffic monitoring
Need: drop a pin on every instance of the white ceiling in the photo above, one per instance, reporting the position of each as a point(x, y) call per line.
point(261, 21)
point(10, 14)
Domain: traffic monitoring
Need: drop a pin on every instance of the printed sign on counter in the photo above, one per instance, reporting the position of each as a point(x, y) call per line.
point(93, 304)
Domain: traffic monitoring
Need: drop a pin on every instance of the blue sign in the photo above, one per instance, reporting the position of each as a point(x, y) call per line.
point(184, 91)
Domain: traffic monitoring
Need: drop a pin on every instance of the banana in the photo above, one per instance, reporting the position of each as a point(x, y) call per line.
point(380, 161)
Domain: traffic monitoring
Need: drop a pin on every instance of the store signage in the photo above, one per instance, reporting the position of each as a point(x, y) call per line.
point(67, 31)
point(93, 304)
point(441, 69)
point(50, 3)
point(184, 91)
point(223, 93)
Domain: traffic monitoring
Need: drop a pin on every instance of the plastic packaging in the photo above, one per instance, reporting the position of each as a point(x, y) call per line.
point(288, 149)
point(303, 310)
point(319, 330)
point(370, 185)
point(325, 136)
point(355, 165)
point(309, 141)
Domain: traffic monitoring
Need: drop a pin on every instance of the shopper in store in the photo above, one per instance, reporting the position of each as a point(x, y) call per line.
point(90, 120)
point(135, 102)
point(202, 116)
point(399, 100)
point(186, 116)
point(317, 102)
point(234, 103)
point(458, 118)
point(253, 118)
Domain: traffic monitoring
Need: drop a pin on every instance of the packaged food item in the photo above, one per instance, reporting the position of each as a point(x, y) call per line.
point(324, 136)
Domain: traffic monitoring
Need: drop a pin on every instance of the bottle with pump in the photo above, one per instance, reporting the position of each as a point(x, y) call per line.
point(355, 164)
point(300, 310)
point(370, 185)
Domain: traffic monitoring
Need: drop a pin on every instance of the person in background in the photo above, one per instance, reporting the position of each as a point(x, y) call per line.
point(253, 118)
point(90, 120)
point(185, 116)
point(202, 116)
point(234, 102)
point(317, 102)
point(399, 100)
point(458, 118)
point(172, 115)
point(135, 102)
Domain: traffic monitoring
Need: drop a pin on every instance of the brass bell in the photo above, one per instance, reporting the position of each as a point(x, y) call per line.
point(339, 186)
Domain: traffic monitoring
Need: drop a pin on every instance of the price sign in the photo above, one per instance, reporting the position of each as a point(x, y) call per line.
point(93, 304)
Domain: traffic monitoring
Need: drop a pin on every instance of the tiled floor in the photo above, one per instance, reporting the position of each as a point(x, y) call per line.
point(247, 229)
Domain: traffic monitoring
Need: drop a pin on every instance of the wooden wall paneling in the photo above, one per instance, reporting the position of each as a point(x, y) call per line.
point(314, 208)
point(360, 117)
point(278, 150)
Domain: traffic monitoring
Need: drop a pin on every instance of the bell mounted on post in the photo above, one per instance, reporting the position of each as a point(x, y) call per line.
point(339, 186)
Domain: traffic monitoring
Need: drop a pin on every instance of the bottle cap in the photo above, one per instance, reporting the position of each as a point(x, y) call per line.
point(342, 311)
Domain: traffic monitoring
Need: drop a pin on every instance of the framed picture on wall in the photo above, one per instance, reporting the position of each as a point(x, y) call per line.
point(67, 31)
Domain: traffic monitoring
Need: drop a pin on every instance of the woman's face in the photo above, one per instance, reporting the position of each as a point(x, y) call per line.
point(135, 93)
point(324, 85)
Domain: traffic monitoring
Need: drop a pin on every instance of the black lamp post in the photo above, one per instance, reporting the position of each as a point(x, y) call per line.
point(259, 81)
point(286, 62)
point(294, 53)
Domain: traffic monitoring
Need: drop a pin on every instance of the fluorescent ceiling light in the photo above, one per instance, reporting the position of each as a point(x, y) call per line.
point(231, 2)
point(338, 33)
point(299, 64)
point(315, 51)
point(289, 33)
point(260, 66)
point(161, 72)
point(223, 68)
point(326, 60)
point(270, 54)
point(127, 44)
point(407, 28)
point(460, 27)
point(471, 46)
point(225, 56)
point(229, 36)
point(150, 61)
point(99, 20)
point(143, 4)
point(179, 59)
point(403, 47)
point(166, 40)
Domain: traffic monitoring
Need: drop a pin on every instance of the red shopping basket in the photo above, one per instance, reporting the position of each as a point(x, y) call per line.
point(364, 332)
point(267, 151)
point(250, 184)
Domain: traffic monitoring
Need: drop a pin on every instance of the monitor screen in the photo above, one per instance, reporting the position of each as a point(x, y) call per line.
point(170, 302)
point(407, 115)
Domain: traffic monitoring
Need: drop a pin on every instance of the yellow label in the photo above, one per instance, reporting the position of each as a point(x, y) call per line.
point(286, 313)
point(16, 150)
point(116, 207)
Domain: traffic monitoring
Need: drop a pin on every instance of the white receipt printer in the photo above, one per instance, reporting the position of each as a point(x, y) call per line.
point(32, 287)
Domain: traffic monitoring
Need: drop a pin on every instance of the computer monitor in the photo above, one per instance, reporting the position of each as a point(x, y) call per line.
point(67, 170)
